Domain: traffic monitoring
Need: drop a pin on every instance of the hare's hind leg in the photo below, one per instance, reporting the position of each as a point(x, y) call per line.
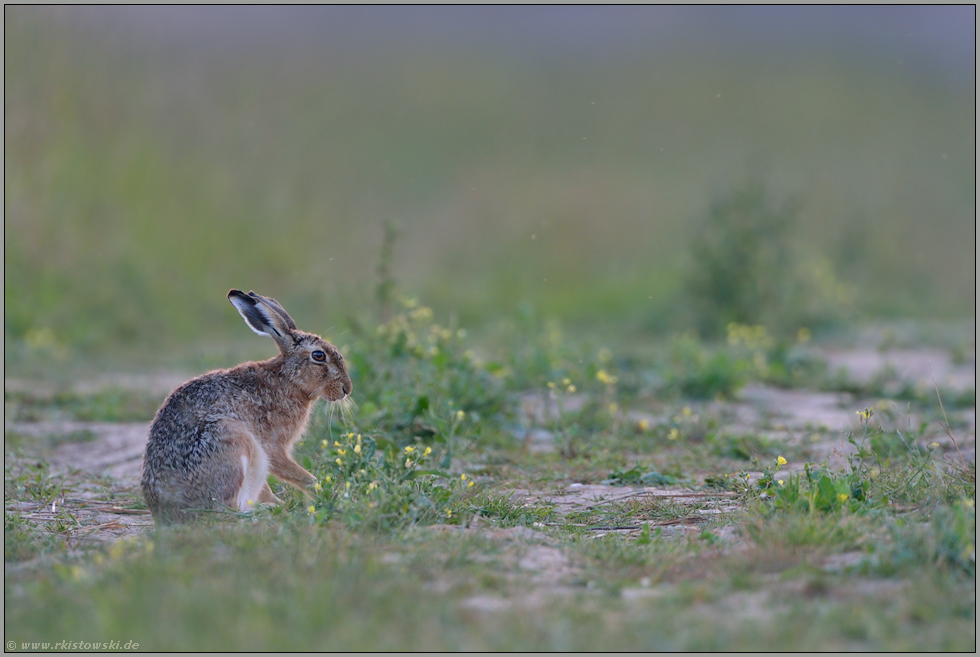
point(252, 467)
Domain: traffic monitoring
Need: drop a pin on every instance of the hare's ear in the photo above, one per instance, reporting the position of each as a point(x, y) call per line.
point(264, 316)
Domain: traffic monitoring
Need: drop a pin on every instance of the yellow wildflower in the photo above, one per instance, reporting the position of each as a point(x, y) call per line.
point(687, 411)
point(357, 448)
point(428, 450)
point(933, 445)
point(460, 415)
point(780, 460)
point(339, 462)
point(449, 513)
point(605, 377)
point(779, 481)
point(327, 479)
point(324, 443)
point(409, 450)
point(462, 477)
point(566, 381)
point(342, 451)
point(469, 485)
point(408, 463)
point(674, 434)
point(318, 486)
point(643, 424)
point(572, 388)
point(842, 497)
point(311, 509)
point(866, 413)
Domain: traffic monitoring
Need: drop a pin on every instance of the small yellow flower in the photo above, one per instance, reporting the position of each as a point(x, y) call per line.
point(342, 452)
point(347, 485)
point(357, 448)
point(327, 479)
point(551, 384)
point(566, 381)
point(643, 425)
point(339, 462)
point(311, 509)
point(687, 411)
point(449, 513)
point(780, 460)
point(408, 463)
point(350, 435)
point(317, 487)
point(409, 450)
point(571, 388)
point(460, 415)
point(336, 444)
point(251, 503)
point(779, 481)
point(462, 477)
point(428, 450)
point(324, 443)
point(605, 377)
point(469, 485)
point(842, 497)
point(674, 434)
point(933, 445)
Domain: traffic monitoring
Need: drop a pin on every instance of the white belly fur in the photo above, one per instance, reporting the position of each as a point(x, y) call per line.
point(256, 471)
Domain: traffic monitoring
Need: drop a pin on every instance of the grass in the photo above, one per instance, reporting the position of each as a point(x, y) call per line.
point(421, 528)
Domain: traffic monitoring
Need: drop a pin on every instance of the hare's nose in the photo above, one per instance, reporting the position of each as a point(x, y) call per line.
point(346, 387)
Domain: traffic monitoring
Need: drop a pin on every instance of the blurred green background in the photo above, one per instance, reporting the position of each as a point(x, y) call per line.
point(547, 161)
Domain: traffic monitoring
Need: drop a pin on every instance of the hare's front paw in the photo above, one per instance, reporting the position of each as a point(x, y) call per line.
point(266, 496)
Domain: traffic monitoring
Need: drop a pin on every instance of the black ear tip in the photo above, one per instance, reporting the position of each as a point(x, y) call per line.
point(235, 293)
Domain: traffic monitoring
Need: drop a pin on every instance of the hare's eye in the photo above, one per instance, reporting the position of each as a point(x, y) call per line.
point(319, 356)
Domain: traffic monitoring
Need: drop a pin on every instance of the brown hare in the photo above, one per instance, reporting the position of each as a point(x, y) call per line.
point(217, 437)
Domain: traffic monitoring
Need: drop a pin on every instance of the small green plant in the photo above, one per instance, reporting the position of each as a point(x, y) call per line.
point(412, 373)
point(371, 481)
point(698, 372)
point(743, 262)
